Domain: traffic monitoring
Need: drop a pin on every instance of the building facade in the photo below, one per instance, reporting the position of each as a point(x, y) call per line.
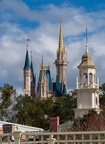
point(46, 87)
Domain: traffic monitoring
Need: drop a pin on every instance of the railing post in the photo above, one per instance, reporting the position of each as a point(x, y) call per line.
point(17, 136)
point(0, 140)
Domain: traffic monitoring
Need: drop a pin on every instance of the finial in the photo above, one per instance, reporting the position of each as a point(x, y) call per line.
point(27, 44)
point(86, 42)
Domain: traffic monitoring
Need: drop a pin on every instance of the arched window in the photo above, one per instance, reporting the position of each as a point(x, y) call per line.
point(90, 77)
point(85, 78)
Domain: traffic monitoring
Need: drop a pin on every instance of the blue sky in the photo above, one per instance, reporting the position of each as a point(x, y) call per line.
point(39, 21)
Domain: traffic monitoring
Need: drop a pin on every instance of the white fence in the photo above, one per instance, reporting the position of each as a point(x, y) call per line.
point(90, 137)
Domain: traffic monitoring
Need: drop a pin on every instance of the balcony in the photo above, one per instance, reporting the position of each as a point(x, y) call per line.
point(87, 85)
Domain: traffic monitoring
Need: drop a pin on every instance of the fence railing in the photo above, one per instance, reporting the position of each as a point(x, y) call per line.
point(17, 137)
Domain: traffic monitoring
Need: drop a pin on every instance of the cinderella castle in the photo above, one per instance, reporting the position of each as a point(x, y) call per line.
point(87, 83)
point(46, 87)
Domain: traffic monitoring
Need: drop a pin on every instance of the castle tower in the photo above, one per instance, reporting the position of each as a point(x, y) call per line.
point(87, 86)
point(44, 88)
point(27, 73)
point(43, 84)
point(61, 65)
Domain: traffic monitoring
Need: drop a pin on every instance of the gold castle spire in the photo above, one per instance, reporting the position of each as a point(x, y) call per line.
point(61, 46)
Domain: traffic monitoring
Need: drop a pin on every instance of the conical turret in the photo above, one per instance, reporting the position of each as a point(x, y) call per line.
point(27, 62)
point(61, 46)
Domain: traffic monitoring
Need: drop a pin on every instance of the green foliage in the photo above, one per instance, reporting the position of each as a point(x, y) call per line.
point(102, 88)
point(24, 110)
point(63, 107)
point(32, 112)
point(37, 112)
point(102, 95)
point(8, 94)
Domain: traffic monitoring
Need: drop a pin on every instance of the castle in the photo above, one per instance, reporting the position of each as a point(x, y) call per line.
point(46, 87)
point(87, 86)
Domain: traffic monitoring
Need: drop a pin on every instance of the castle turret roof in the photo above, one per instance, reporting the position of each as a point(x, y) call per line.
point(27, 62)
point(87, 61)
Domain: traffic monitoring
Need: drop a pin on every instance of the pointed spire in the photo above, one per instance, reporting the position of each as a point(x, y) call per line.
point(27, 62)
point(86, 42)
point(61, 47)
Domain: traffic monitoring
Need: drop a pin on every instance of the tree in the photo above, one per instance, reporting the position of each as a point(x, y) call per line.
point(37, 112)
point(8, 93)
point(63, 107)
point(92, 121)
point(102, 88)
point(102, 94)
point(20, 109)
point(25, 110)
point(32, 112)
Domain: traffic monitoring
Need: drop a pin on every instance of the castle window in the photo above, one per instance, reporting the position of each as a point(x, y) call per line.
point(90, 77)
point(85, 78)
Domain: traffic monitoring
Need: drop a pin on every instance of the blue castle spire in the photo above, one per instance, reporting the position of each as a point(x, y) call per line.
point(27, 62)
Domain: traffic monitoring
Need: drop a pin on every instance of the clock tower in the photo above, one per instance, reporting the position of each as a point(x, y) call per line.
point(87, 85)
